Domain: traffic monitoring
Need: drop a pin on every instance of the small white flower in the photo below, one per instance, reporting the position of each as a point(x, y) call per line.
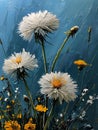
point(3, 88)
point(24, 95)
point(20, 62)
point(83, 94)
point(8, 93)
point(58, 86)
point(5, 99)
point(81, 117)
point(57, 120)
point(38, 24)
point(83, 100)
point(89, 101)
point(61, 115)
point(91, 97)
point(17, 89)
point(83, 113)
point(85, 90)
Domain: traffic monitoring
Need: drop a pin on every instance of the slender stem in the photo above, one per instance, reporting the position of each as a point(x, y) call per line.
point(29, 95)
point(59, 51)
point(45, 68)
point(50, 114)
point(49, 118)
point(67, 106)
point(44, 56)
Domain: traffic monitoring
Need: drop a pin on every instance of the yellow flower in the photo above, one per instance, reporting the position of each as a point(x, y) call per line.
point(0, 98)
point(39, 99)
point(2, 78)
point(1, 117)
point(30, 125)
point(41, 108)
point(13, 115)
point(8, 106)
point(81, 64)
point(12, 125)
point(13, 102)
point(19, 116)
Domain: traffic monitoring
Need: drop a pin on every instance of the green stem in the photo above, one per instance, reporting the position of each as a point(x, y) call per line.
point(45, 68)
point(29, 95)
point(44, 56)
point(49, 118)
point(59, 51)
point(67, 106)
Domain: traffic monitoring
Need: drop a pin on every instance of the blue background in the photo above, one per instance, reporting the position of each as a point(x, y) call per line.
point(83, 13)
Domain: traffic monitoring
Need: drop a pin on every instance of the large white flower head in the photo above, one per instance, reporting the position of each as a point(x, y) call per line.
point(38, 24)
point(58, 86)
point(19, 63)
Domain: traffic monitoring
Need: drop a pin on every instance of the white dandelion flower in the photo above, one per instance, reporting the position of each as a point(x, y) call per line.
point(58, 86)
point(37, 24)
point(20, 63)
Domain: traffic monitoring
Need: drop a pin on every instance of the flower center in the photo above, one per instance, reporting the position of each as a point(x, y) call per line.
point(57, 83)
point(18, 59)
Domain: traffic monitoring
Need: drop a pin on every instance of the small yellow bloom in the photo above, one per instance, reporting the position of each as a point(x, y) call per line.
point(17, 59)
point(13, 115)
point(13, 102)
point(30, 125)
point(1, 117)
point(12, 125)
point(2, 78)
point(0, 98)
point(41, 108)
point(58, 82)
point(30, 120)
point(8, 106)
point(39, 99)
point(81, 64)
point(19, 116)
